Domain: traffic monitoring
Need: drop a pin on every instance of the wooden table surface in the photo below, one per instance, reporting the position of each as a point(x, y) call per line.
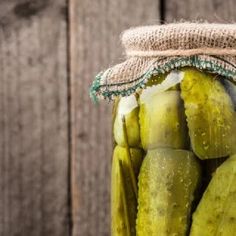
point(55, 144)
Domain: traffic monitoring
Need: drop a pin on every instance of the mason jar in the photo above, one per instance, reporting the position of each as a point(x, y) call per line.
point(174, 128)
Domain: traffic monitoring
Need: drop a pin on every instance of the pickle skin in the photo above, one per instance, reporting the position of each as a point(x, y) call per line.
point(210, 114)
point(163, 122)
point(168, 182)
point(123, 199)
point(216, 212)
point(127, 109)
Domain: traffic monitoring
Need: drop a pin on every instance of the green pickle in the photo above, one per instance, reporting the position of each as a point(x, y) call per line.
point(216, 212)
point(174, 160)
point(162, 119)
point(168, 180)
point(123, 196)
point(127, 111)
point(210, 114)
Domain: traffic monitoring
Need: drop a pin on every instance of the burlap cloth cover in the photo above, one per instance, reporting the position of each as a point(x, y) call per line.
point(152, 50)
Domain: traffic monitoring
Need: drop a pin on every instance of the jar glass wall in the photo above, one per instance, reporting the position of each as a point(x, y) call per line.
point(174, 162)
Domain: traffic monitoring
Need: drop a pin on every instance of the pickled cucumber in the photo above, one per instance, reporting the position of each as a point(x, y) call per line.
point(216, 212)
point(168, 181)
point(127, 114)
point(123, 197)
point(210, 114)
point(162, 121)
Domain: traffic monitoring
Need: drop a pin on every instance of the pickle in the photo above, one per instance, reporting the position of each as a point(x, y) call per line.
point(168, 182)
point(162, 121)
point(127, 111)
point(210, 114)
point(164, 82)
point(216, 212)
point(125, 165)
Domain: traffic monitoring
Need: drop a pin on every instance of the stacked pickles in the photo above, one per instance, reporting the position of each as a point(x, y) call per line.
point(174, 168)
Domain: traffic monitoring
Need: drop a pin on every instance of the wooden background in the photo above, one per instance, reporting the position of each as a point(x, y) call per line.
point(55, 144)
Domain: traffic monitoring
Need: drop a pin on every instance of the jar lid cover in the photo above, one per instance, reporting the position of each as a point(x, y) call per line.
point(157, 49)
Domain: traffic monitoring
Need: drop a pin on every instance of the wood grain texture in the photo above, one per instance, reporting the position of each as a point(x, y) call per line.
point(41, 129)
point(34, 119)
point(210, 10)
point(95, 29)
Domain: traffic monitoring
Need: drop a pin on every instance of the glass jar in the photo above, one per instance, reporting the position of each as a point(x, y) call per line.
point(174, 162)
point(174, 128)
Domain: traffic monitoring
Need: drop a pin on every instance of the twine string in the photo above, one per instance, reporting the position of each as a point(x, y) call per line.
point(182, 52)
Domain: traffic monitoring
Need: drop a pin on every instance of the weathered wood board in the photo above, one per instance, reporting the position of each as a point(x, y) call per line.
point(34, 119)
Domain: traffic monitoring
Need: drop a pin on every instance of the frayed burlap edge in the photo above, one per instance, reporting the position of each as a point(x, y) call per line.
point(141, 69)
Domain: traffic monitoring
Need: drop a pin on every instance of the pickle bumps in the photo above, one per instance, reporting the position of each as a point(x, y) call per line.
point(210, 114)
point(162, 121)
point(174, 110)
point(216, 212)
point(168, 180)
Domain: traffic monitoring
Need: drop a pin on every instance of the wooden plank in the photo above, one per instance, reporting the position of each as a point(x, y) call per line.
point(94, 45)
point(33, 119)
point(211, 10)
